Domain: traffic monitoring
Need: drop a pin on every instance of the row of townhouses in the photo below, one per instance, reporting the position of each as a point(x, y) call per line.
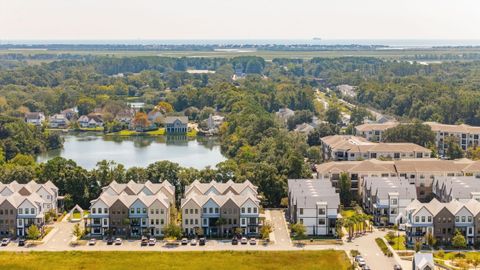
point(467, 135)
point(442, 220)
point(132, 209)
point(315, 204)
point(220, 209)
point(420, 172)
point(22, 205)
point(348, 147)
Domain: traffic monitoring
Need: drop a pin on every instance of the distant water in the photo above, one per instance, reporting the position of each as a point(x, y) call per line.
point(395, 43)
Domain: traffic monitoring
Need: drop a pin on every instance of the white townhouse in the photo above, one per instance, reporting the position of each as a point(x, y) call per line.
point(35, 118)
point(374, 131)
point(315, 204)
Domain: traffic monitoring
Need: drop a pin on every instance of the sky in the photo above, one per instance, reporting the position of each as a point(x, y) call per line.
point(240, 19)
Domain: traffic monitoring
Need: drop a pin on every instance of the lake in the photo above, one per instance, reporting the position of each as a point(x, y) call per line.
point(86, 149)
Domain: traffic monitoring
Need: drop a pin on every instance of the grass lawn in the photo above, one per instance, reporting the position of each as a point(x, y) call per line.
point(158, 132)
point(397, 243)
point(319, 260)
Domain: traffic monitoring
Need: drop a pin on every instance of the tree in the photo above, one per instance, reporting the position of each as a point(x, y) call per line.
point(333, 114)
point(418, 246)
point(173, 231)
point(199, 231)
point(266, 229)
point(140, 121)
point(345, 185)
point(33, 233)
point(298, 230)
point(85, 105)
point(431, 240)
point(472, 153)
point(323, 130)
point(458, 241)
point(454, 151)
point(358, 115)
point(77, 232)
point(416, 132)
point(164, 107)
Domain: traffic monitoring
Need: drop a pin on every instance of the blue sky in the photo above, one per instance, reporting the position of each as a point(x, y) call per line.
point(241, 19)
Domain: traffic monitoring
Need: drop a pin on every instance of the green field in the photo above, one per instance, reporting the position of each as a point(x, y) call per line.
point(268, 55)
point(319, 260)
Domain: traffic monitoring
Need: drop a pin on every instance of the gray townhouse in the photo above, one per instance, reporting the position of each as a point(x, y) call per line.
point(219, 209)
point(132, 209)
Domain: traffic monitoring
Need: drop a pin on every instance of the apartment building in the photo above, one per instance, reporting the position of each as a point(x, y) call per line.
point(132, 209)
point(466, 135)
point(374, 131)
point(442, 220)
point(386, 198)
point(420, 172)
point(220, 209)
point(460, 188)
point(315, 204)
point(22, 205)
point(347, 147)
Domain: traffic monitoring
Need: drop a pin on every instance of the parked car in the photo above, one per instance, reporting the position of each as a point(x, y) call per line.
point(365, 267)
point(361, 262)
point(118, 241)
point(234, 241)
point(144, 241)
point(92, 242)
point(184, 241)
point(253, 241)
point(5, 242)
point(397, 267)
point(243, 241)
point(109, 241)
point(21, 242)
point(152, 241)
point(202, 241)
point(193, 242)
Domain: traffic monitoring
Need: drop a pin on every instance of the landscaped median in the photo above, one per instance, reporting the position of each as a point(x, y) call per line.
point(238, 260)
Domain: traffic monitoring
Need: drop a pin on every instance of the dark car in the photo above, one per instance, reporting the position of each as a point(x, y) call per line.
point(110, 241)
point(21, 242)
point(397, 267)
point(202, 241)
point(234, 241)
point(144, 241)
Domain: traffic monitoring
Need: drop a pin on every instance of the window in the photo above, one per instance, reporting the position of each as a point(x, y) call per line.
point(216, 210)
point(210, 210)
point(417, 219)
point(27, 211)
point(469, 219)
point(144, 210)
point(429, 219)
point(191, 211)
point(151, 221)
point(243, 221)
point(161, 221)
point(196, 221)
point(94, 210)
point(301, 211)
point(255, 210)
point(394, 201)
point(321, 211)
point(99, 210)
point(151, 211)
point(138, 210)
point(161, 211)
point(243, 210)
point(249, 210)
point(157, 221)
point(196, 211)
point(301, 221)
point(132, 210)
point(463, 219)
point(321, 221)
point(186, 221)
point(33, 211)
point(105, 210)
point(457, 219)
point(186, 211)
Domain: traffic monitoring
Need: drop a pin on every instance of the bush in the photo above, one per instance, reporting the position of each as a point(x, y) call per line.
point(381, 244)
point(354, 252)
point(439, 254)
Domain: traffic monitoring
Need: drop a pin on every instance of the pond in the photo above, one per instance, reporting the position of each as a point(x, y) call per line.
point(86, 149)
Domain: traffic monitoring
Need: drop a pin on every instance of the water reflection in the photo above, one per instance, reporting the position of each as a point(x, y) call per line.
point(87, 149)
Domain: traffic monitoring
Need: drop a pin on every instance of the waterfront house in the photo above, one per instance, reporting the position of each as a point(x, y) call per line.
point(35, 118)
point(58, 121)
point(176, 124)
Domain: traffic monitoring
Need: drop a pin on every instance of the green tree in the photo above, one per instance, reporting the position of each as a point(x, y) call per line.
point(416, 132)
point(345, 185)
point(77, 232)
point(323, 130)
point(431, 240)
point(453, 151)
point(33, 233)
point(333, 114)
point(172, 230)
point(458, 241)
point(298, 230)
point(266, 229)
point(85, 105)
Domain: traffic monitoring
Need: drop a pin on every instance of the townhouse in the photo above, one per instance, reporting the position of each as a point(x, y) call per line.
point(420, 172)
point(132, 209)
point(374, 131)
point(442, 220)
point(220, 209)
point(315, 204)
point(347, 147)
point(22, 205)
point(386, 198)
point(460, 188)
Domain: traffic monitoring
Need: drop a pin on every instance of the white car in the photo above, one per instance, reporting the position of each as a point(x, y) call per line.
point(184, 241)
point(92, 242)
point(5, 241)
point(118, 241)
point(243, 241)
point(193, 242)
point(152, 241)
point(253, 241)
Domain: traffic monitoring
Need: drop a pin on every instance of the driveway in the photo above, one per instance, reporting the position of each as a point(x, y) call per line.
point(281, 235)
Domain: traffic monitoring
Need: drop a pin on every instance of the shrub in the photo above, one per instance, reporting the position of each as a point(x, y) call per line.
point(381, 244)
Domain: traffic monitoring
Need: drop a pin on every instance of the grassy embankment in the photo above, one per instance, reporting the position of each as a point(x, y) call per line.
point(158, 132)
point(319, 260)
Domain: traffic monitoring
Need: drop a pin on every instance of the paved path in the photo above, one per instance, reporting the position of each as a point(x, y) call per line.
point(280, 230)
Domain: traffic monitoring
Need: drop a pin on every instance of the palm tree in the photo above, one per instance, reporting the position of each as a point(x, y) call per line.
point(349, 224)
